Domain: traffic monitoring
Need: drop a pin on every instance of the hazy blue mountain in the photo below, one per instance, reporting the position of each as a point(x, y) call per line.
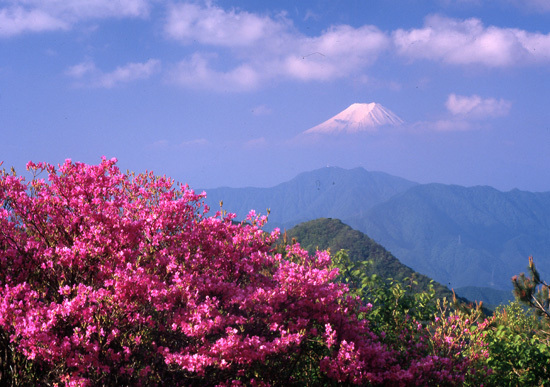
point(327, 192)
point(459, 236)
point(491, 297)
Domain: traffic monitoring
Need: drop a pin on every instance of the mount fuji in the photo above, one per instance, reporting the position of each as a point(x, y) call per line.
point(358, 117)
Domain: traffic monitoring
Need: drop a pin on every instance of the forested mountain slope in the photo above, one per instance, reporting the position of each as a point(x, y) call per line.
point(332, 234)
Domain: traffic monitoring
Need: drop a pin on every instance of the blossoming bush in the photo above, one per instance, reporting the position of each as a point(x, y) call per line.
point(121, 279)
point(109, 278)
point(437, 342)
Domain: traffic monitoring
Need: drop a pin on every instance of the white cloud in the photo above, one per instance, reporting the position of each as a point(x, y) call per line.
point(261, 110)
point(159, 144)
point(256, 143)
point(91, 9)
point(533, 5)
point(167, 145)
point(88, 74)
point(266, 48)
point(22, 16)
point(466, 113)
point(336, 53)
point(451, 126)
point(460, 3)
point(542, 5)
point(130, 72)
point(195, 142)
point(197, 72)
point(80, 70)
point(215, 26)
point(16, 20)
point(311, 15)
point(464, 42)
point(476, 107)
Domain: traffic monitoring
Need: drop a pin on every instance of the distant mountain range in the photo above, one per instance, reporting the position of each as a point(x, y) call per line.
point(459, 236)
point(328, 192)
point(476, 236)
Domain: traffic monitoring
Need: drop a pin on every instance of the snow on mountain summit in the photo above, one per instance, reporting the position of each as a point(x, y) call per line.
point(358, 117)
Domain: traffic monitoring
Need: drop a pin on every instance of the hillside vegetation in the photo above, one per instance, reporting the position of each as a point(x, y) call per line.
point(333, 235)
point(123, 279)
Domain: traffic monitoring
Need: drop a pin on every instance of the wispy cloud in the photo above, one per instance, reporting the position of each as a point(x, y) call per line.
point(80, 70)
point(476, 107)
point(337, 52)
point(261, 110)
point(465, 113)
point(197, 72)
point(447, 125)
point(215, 26)
point(129, 72)
point(265, 48)
point(87, 74)
point(195, 142)
point(16, 20)
point(532, 5)
point(230, 49)
point(168, 145)
point(22, 16)
point(256, 143)
point(467, 42)
point(159, 144)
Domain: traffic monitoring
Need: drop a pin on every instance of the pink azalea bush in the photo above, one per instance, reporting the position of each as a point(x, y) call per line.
point(456, 335)
point(121, 279)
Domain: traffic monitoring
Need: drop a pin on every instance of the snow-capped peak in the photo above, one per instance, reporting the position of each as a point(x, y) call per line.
point(359, 117)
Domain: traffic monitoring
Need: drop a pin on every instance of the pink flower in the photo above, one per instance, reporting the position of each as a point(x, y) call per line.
point(110, 278)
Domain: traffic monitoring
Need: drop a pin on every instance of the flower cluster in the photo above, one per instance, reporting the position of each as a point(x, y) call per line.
point(109, 278)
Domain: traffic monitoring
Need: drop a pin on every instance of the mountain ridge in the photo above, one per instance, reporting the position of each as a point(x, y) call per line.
point(459, 236)
point(311, 195)
point(332, 234)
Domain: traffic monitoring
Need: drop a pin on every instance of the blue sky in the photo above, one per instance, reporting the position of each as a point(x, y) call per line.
point(218, 93)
